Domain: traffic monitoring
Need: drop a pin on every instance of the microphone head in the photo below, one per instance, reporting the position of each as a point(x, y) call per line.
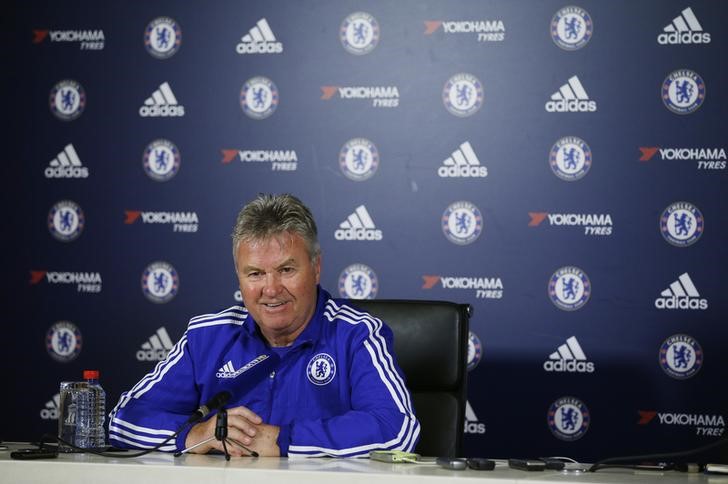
point(220, 399)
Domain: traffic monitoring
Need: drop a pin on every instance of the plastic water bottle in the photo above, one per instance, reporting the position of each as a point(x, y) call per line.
point(83, 410)
point(92, 413)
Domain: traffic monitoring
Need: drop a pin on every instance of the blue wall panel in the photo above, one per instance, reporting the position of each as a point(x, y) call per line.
point(623, 399)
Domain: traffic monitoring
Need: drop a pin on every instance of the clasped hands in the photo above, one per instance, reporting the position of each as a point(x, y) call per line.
point(245, 427)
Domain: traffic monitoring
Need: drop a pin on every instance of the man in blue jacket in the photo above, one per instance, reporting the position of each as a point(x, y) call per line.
point(336, 389)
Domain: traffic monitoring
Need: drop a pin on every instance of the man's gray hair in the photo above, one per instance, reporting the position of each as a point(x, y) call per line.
point(270, 215)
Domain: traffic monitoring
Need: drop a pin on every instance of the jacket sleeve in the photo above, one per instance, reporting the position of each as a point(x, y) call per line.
point(158, 405)
point(381, 417)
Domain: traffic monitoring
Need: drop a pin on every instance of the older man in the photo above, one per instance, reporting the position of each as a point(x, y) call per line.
point(336, 389)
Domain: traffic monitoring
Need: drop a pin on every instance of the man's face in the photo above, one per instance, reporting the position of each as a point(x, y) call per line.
point(278, 283)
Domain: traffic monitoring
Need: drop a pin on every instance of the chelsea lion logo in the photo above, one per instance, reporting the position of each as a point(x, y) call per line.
point(568, 418)
point(463, 95)
point(358, 159)
point(571, 28)
point(259, 97)
point(161, 160)
point(67, 100)
point(683, 91)
point(160, 282)
point(63, 341)
point(569, 288)
point(570, 158)
point(66, 221)
point(162, 37)
point(462, 223)
point(358, 281)
point(682, 224)
point(359, 33)
point(321, 369)
point(475, 350)
point(681, 356)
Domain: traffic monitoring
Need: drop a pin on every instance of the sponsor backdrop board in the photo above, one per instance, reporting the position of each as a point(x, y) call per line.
point(559, 166)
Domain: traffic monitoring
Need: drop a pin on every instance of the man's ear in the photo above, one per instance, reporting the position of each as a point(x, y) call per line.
point(317, 267)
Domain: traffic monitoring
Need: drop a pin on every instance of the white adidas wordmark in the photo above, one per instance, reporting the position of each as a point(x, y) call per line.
point(259, 40)
point(569, 358)
point(228, 370)
point(161, 96)
point(462, 163)
point(571, 350)
point(50, 412)
point(358, 226)
point(469, 413)
point(156, 348)
point(360, 218)
point(67, 157)
point(162, 103)
point(571, 97)
point(472, 426)
point(682, 287)
point(261, 32)
point(55, 402)
point(571, 90)
point(684, 29)
point(685, 22)
point(682, 294)
point(463, 156)
point(160, 340)
point(66, 164)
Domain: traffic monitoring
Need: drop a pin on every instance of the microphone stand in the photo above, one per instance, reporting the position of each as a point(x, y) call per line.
point(221, 434)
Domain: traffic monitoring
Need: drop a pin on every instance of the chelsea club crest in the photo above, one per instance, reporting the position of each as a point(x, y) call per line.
point(67, 100)
point(682, 224)
point(162, 37)
point(160, 282)
point(321, 369)
point(259, 97)
point(64, 341)
point(568, 418)
point(571, 28)
point(462, 223)
point(462, 95)
point(66, 221)
point(681, 356)
point(683, 91)
point(359, 33)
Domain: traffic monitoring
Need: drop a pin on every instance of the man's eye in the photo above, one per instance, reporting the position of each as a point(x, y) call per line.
point(254, 274)
point(287, 270)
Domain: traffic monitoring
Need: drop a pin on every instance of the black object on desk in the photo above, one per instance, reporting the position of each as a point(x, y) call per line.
point(26, 454)
point(527, 464)
point(481, 464)
point(454, 463)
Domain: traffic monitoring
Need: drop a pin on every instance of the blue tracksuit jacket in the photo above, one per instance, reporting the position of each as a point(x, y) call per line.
point(337, 391)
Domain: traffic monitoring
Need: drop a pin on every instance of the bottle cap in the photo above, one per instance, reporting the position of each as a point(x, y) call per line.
point(90, 374)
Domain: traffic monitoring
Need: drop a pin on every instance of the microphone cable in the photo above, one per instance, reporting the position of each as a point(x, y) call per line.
point(618, 461)
point(120, 455)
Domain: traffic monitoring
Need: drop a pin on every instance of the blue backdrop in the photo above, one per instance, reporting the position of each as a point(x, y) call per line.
point(560, 167)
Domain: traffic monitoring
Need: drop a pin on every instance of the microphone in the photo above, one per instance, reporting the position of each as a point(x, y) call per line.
point(217, 401)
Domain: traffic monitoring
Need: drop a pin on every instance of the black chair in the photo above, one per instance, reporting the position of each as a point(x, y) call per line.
point(431, 345)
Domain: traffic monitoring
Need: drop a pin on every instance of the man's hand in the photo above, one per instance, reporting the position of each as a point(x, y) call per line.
point(265, 442)
point(244, 426)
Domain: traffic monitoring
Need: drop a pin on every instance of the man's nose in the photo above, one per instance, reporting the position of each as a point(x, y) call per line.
point(272, 284)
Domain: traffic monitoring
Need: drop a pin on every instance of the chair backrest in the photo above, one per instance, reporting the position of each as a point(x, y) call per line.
point(431, 345)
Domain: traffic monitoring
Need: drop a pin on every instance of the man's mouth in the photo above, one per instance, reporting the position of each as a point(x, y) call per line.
point(273, 305)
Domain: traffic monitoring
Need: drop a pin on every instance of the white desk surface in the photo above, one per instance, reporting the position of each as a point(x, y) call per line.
point(158, 467)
